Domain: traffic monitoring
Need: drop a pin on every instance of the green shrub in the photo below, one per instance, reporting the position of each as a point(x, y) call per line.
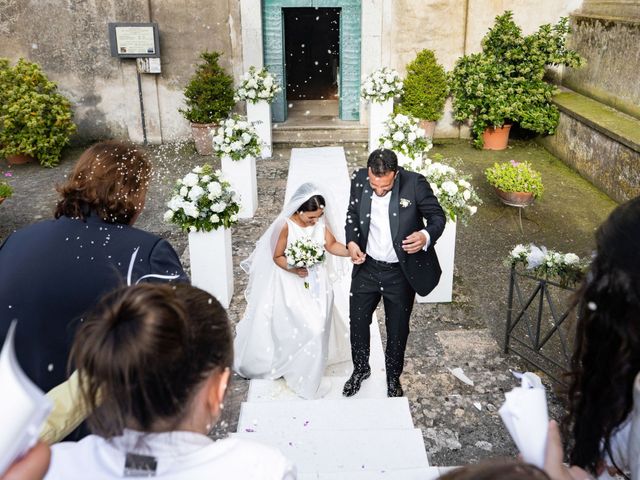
point(5, 190)
point(515, 176)
point(505, 82)
point(34, 118)
point(209, 93)
point(425, 88)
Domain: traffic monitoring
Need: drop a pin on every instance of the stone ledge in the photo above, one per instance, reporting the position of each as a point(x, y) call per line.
point(610, 122)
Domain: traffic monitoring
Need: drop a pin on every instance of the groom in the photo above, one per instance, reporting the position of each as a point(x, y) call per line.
point(393, 258)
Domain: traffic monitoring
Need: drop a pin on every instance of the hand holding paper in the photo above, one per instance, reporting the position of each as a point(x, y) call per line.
point(525, 415)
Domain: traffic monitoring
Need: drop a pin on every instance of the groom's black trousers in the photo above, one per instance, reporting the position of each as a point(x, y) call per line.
point(375, 280)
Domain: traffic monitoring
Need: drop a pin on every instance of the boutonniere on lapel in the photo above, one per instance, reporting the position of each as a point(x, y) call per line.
point(404, 203)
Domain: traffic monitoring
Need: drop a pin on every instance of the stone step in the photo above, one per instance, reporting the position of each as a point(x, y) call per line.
point(339, 452)
point(338, 414)
point(319, 136)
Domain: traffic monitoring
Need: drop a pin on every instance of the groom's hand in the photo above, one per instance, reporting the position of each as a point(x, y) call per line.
point(357, 256)
point(414, 242)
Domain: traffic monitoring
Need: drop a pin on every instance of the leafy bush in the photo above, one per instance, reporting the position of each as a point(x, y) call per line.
point(505, 82)
point(209, 93)
point(5, 190)
point(425, 88)
point(34, 118)
point(515, 176)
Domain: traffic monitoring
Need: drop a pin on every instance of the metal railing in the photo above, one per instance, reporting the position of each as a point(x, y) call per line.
point(544, 344)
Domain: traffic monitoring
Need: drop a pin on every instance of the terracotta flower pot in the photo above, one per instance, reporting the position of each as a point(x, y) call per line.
point(515, 199)
point(429, 127)
point(1, 200)
point(496, 138)
point(201, 133)
point(19, 159)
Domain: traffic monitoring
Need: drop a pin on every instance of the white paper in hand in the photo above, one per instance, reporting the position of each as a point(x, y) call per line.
point(526, 417)
point(23, 406)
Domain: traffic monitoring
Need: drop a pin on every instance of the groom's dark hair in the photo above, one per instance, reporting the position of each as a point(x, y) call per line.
point(382, 161)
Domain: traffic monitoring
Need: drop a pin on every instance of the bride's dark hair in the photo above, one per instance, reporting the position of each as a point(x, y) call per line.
point(606, 355)
point(312, 204)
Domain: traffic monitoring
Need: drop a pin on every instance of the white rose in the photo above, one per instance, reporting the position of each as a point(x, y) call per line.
point(197, 170)
point(215, 188)
point(518, 249)
point(192, 228)
point(215, 218)
point(436, 190)
point(466, 194)
point(228, 131)
point(411, 137)
point(268, 81)
point(190, 179)
point(184, 191)
point(449, 187)
point(251, 94)
point(571, 258)
point(217, 207)
point(252, 83)
point(473, 209)
point(387, 144)
point(464, 183)
point(168, 215)
point(236, 146)
point(398, 136)
point(234, 218)
point(246, 138)
point(190, 209)
point(196, 192)
point(175, 203)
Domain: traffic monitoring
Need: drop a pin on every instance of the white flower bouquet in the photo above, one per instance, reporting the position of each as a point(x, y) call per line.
point(257, 85)
point(306, 253)
point(236, 138)
point(381, 85)
point(568, 268)
point(203, 201)
point(404, 136)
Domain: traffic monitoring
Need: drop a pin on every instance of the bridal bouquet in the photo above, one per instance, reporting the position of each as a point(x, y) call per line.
point(306, 253)
point(203, 201)
point(257, 85)
point(236, 138)
point(453, 189)
point(568, 268)
point(381, 85)
point(404, 136)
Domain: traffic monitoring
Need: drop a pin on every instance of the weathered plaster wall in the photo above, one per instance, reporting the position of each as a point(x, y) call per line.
point(613, 61)
point(70, 41)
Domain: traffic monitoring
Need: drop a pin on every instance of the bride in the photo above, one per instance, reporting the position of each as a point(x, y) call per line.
point(290, 314)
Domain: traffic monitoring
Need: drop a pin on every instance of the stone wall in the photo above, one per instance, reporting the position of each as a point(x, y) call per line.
point(70, 41)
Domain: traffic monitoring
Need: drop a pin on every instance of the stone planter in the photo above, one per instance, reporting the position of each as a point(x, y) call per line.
point(496, 138)
point(446, 250)
point(19, 159)
point(201, 133)
point(259, 114)
point(515, 199)
point(379, 112)
point(429, 127)
point(211, 265)
point(241, 174)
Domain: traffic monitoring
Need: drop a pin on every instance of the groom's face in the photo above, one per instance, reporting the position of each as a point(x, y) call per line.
point(382, 184)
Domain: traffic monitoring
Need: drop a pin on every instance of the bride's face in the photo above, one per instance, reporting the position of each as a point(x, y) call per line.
point(310, 218)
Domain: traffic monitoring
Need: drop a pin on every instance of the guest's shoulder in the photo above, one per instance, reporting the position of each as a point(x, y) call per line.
point(253, 458)
point(359, 173)
point(76, 460)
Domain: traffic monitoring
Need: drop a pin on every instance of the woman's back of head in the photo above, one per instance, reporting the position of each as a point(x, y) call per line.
point(606, 355)
point(144, 351)
point(109, 179)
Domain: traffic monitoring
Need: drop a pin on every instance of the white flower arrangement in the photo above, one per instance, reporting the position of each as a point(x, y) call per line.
point(403, 135)
point(236, 138)
point(567, 268)
point(304, 252)
point(454, 191)
point(203, 201)
point(381, 85)
point(257, 85)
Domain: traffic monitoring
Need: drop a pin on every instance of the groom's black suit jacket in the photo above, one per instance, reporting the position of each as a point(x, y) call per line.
point(412, 201)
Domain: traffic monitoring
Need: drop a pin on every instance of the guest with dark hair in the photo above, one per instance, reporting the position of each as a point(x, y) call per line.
point(53, 271)
point(606, 360)
point(154, 363)
point(498, 469)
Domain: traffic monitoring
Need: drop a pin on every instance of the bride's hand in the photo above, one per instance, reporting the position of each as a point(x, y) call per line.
point(301, 272)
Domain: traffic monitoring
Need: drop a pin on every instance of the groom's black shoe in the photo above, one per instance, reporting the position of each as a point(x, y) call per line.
point(352, 386)
point(394, 389)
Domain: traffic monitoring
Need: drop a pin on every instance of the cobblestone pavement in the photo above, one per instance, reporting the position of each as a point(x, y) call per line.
point(460, 423)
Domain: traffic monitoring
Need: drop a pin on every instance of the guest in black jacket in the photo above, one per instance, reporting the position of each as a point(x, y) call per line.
point(53, 271)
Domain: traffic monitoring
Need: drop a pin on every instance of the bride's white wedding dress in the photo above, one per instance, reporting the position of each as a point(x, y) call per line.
point(288, 330)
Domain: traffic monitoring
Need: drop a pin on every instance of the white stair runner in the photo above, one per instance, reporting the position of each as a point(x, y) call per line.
point(363, 437)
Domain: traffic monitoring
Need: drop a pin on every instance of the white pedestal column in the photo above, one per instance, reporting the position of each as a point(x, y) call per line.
point(211, 265)
point(379, 112)
point(446, 250)
point(241, 174)
point(259, 114)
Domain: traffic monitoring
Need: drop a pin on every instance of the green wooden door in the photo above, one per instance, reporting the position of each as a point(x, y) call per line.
point(350, 35)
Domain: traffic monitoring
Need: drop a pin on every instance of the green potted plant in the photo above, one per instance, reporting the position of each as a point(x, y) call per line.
point(5, 191)
point(425, 91)
point(35, 120)
point(505, 82)
point(516, 183)
point(209, 99)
